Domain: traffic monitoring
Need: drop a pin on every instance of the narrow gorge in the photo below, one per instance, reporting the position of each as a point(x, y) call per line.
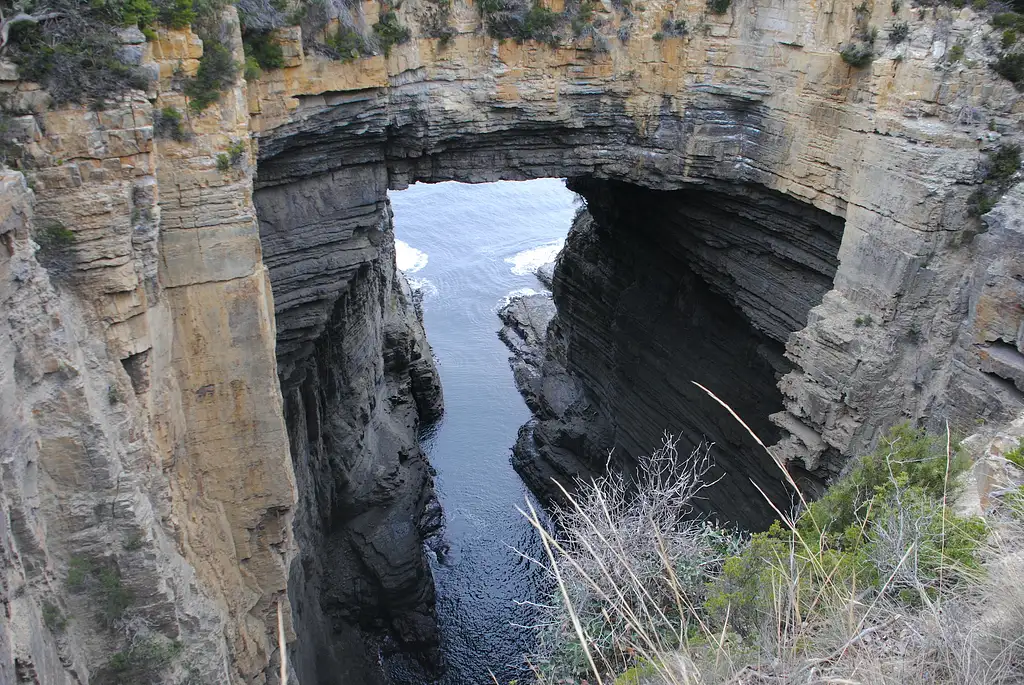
point(211, 394)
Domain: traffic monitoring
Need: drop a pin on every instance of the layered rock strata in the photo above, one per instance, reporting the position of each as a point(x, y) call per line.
point(354, 401)
point(147, 487)
point(143, 420)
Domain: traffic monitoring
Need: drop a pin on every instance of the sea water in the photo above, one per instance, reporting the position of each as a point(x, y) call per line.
point(469, 248)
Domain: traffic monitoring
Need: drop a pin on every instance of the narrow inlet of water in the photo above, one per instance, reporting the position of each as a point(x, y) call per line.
point(468, 248)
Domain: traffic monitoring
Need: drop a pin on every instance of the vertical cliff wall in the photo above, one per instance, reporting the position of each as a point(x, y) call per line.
point(358, 381)
point(147, 486)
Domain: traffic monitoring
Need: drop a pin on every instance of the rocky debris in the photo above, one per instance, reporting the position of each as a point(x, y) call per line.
point(545, 273)
point(526, 320)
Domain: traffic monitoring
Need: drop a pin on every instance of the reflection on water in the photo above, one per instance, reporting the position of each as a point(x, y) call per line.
point(468, 248)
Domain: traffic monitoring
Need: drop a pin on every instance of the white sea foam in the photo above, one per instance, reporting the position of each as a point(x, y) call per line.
point(526, 262)
point(408, 258)
point(423, 285)
point(517, 293)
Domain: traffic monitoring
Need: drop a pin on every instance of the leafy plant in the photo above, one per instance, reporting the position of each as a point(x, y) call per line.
point(1016, 455)
point(1008, 39)
point(956, 53)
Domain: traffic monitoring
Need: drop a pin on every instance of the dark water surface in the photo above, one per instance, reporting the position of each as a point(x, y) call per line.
point(468, 247)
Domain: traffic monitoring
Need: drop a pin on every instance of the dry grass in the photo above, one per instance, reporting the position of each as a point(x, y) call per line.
point(909, 593)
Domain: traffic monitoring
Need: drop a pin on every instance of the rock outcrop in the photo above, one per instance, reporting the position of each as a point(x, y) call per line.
point(220, 412)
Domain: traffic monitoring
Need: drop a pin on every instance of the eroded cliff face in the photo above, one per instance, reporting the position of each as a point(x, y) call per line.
point(356, 390)
point(169, 422)
point(148, 493)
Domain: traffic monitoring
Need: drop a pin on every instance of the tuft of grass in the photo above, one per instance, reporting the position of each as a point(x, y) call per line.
point(647, 593)
point(1016, 455)
point(863, 320)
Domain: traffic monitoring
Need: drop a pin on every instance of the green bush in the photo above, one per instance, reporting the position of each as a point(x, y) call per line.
point(1011, 68)
point(102, 584)
point(956, 53)
point(261, 47)
point(217, 72)
point(76, 55)
point(718, 6)
point(899, 32)
point(53, 617)
point(347, 42)
point(390, 31)
point(1004, 163)
point(1007, 20)
point(176, 14)
point(142, 662)
point(857, 54)
point(168, 122)
point(538, 24)
point(857, 538)
point(1016, 455)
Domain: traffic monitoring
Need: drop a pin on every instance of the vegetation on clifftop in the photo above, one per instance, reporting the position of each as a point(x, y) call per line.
point(880, 581)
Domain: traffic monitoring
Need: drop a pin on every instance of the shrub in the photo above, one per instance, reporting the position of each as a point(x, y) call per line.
point(626, 551)
point(176, 14)
point(899, 32)
point(718, 6)
point(75, 55)
point(1004, 163)
point(53, 617)
point(956, 53)
point(857, 54)
point(56, 244)
point(103, 586)
point(261, 47)
point(143, 661)
point(169, 123)
point(390, 31)
point(538, 24)
point(1007, 20)
point(223, 163)
point(347, 43)
point(217, 71)
point(1011, 67)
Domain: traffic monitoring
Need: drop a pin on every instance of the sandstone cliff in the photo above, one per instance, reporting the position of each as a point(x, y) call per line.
point(211, 393)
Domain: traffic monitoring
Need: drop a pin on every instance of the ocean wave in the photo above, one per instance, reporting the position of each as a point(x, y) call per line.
point(408, 258)
point(423, 285)
point(517, 293)
point(526, 262)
